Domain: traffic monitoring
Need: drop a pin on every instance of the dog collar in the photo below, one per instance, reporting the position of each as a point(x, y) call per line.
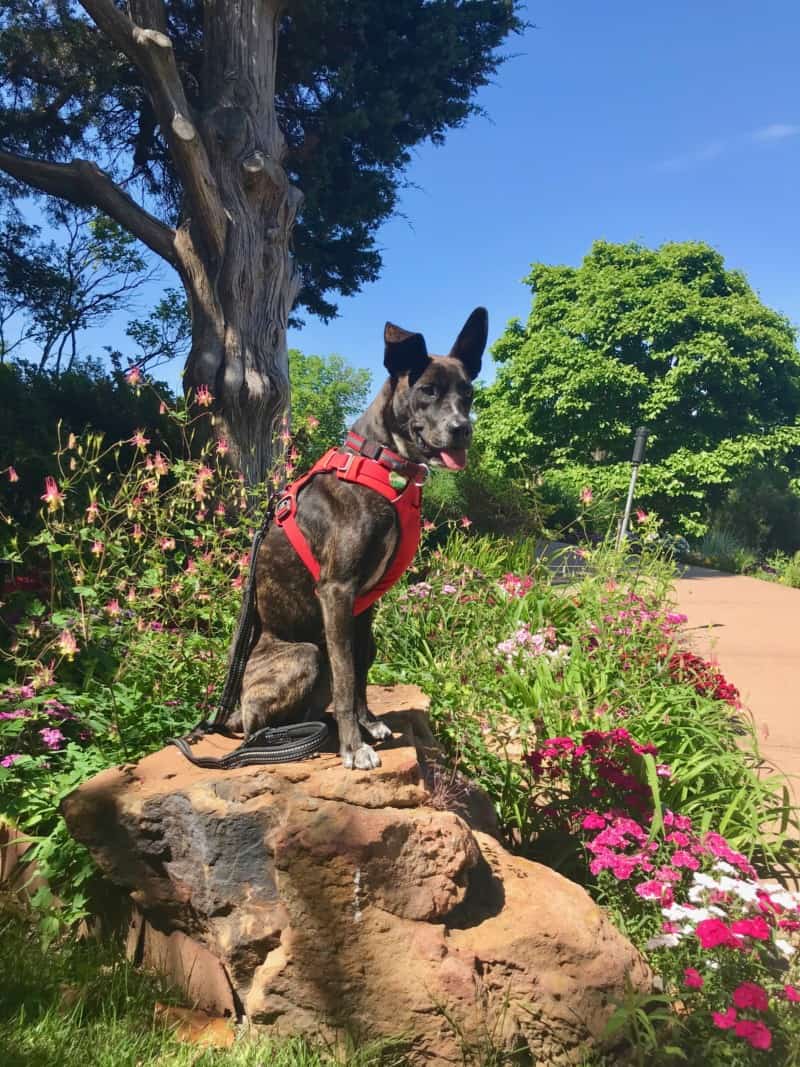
point(414, 472)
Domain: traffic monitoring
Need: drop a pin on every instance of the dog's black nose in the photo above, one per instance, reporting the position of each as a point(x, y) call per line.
point(460, 428)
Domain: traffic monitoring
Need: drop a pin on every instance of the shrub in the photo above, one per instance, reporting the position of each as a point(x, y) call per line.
point(119, 639)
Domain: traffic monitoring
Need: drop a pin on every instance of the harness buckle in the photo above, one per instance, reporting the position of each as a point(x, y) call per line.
point(348, 463)
point(283, 507)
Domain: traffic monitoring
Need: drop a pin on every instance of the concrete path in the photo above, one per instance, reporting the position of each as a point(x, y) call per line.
point(752, 629)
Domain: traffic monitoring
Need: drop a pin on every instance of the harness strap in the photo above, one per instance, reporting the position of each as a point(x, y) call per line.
point(394, 477)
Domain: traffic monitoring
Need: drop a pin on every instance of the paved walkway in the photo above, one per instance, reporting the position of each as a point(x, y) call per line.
point(752, 629)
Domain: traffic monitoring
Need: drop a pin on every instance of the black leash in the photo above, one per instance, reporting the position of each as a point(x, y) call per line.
point(283, 744)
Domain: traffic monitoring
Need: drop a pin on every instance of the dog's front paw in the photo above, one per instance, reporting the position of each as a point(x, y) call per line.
point(363, 758)
point(376, 729)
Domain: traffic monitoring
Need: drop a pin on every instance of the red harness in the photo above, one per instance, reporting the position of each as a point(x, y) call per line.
point(370, 464)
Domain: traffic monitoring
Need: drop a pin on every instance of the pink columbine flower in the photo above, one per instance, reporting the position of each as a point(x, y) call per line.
point(51, 736)
point(166, 544)
point(140, 440)
point(692, 979)
point(641, 516)
point(223, 447)
point(162, 408)
point(160, 465)
point(67, 645)
point(97, 548)
point(465, 522)
point(92, 511)
point(204, 396)
point(52, 495)
point(312, 422)
point(133, 376)
point(586, 495)
point(427, 526)
point(112, 608)
point(10, 759)
point(12, 475)
point(755, 1033)
point(724, 1020)
point(137, 532)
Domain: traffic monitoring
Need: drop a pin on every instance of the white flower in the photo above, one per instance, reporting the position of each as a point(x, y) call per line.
point(726, 868)
point(705, 880)
point(677, 912)
point(784, 898)
point(663, 941)
point(784, 947)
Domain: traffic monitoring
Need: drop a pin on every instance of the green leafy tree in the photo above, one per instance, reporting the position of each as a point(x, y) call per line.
point(222, 134)
point(51, 291)
point(668, 338)
point(327, 394)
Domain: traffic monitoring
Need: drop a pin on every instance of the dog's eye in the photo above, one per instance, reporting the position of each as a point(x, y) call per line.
point(428, 390)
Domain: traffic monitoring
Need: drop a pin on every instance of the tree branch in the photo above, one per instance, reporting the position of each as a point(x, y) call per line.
point(150, 48)
point(85, 184)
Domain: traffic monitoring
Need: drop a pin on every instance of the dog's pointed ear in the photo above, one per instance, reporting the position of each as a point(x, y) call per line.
point(471, 342)
point(404, 352)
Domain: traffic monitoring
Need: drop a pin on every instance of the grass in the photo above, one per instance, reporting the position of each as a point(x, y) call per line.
point(81, 1004)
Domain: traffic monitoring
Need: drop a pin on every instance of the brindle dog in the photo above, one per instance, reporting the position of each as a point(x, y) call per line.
point(309, 641)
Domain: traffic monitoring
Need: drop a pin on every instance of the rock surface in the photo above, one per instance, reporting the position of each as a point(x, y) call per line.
point(342, 900)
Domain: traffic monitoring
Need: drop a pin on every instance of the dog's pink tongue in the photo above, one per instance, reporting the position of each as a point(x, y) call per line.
point(455, 458)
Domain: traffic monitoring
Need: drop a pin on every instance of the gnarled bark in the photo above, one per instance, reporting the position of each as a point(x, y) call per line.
point(232, 246)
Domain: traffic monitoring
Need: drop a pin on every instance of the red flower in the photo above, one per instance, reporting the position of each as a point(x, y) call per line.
point(751, 995)
point(791, 993)
point(12, 475)
point(465, 522)
point(725, 1020)
point(133, 376)
point(754, 1033)
point(756, 928)
point(714, 932)
point(692, 978)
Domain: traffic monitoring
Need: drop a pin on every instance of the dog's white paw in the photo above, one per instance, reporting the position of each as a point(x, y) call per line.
point(363, 759)
point(376, 729)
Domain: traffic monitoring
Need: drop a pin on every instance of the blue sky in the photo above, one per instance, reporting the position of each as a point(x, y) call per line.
point(621, 120)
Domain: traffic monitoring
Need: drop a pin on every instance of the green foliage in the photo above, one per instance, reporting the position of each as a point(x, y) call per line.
point(36, 406)
point(50, 291)
point(484, 705)
point(494, 501)
point(784, 569)
point(116, 620)
point(327, 394)
point(81, 1004)
point(359, 85)
point(722, 550)
point(668, 338)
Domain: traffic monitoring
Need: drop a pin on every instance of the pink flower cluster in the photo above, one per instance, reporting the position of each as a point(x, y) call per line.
point(525, 644)
point(515, 585)
point(600, 774)
point(704, 677)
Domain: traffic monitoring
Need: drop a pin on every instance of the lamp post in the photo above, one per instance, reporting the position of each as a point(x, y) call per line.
point(639, 443)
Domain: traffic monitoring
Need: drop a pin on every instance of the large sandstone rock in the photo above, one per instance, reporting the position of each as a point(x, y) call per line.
point(334, 899)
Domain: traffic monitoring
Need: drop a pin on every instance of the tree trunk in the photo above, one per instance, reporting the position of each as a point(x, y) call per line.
point(241, 293)
point(232, 246)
